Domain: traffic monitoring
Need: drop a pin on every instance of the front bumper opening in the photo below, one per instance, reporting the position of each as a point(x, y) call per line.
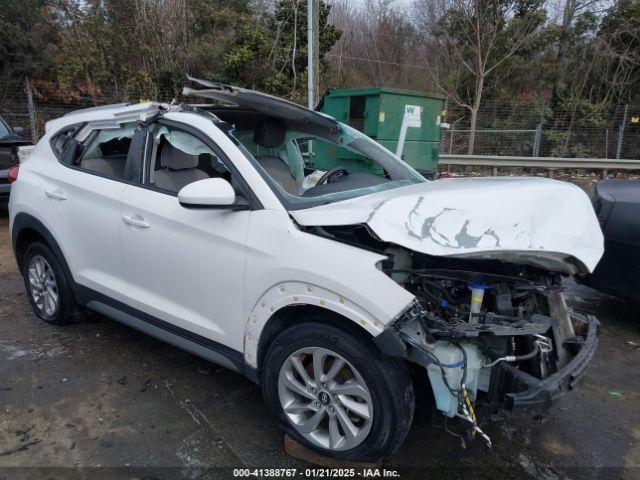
point(522, 391)
point(461, 373)
point(510, 384)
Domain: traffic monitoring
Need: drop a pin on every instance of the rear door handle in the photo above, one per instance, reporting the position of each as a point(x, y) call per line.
point(136, 221)
point(55, 193)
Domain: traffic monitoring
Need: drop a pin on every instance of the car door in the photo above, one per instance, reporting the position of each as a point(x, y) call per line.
point(184, 266)
point(81, 204)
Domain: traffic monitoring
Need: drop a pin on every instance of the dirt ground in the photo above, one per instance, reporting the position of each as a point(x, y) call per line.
point(100, 400)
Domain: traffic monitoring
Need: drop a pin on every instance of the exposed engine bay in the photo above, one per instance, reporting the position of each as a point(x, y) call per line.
point(498, 329)
point(487, 332)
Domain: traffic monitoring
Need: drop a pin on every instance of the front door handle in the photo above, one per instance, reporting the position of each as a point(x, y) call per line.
point(136, 221)
point(55, 193)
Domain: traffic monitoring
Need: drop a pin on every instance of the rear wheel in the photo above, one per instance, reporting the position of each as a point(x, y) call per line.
point(48, 288)
point(336, 393)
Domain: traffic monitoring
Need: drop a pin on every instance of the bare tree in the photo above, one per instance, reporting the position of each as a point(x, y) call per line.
point(570, 12)
point(469, 40)
point(380, 46)
point(295, 45)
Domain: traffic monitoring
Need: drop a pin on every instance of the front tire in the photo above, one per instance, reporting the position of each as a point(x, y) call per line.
point(336, 393)
point(48, 288)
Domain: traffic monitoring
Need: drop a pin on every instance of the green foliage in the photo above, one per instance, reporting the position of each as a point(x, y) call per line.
point(620, 28)
point(27, 38)
point(270, 53)
point(144, 48)
point(248, 61)
point(495, 29)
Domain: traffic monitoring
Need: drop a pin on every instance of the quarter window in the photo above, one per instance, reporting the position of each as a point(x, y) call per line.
point(60, 140)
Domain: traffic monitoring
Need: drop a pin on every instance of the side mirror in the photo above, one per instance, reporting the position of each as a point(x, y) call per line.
point(18, 131)
point(210, 192)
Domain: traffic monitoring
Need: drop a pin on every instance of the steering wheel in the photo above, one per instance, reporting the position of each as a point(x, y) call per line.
point(335, 172)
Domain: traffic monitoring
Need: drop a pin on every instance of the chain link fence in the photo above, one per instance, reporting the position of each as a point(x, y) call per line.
point(490, 142)
point(574, 130)
point(15, 110)
point(32, 106)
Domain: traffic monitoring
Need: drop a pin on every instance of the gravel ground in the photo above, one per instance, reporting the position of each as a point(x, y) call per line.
point(100, 400)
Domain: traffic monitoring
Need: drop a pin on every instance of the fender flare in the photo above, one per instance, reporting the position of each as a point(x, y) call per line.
point(286, 294)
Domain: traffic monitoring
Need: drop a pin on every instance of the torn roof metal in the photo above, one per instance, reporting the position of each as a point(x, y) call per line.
point(285, 110)
point(107, 116)
point(523, 220)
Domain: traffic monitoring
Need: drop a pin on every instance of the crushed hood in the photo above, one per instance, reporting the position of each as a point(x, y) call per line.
point(538, 221)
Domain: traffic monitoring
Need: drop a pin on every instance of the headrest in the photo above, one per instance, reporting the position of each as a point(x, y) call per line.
point(269, 133)
point(175, 159)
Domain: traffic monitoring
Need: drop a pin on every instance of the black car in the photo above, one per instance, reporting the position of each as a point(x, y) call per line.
point(617, 205)
point(10, 140)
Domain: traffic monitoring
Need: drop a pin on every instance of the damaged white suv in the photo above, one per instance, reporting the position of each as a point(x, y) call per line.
point(207, 226)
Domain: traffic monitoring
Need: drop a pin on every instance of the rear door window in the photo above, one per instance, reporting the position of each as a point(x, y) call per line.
point(105, 151)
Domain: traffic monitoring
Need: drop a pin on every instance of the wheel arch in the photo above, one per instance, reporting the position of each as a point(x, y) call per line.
point(27, 229)
point(299, 314)
point(290, 303)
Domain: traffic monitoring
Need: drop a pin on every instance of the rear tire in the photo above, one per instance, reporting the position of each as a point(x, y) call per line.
point(374, 392)
point(48, 288)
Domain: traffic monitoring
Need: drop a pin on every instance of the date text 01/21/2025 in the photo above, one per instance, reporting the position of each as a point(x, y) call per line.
point(316, 472)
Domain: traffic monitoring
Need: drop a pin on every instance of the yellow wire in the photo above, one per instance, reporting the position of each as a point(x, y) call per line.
point(472, 413)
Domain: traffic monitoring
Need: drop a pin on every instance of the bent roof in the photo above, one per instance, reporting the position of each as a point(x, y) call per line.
point(262, 102)
point(111, 115)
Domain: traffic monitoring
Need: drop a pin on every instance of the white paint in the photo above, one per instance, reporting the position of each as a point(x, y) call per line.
point(210, 191)
point(412, 118)
point(205, 270)
point(288, 294)
point(280, 255)
point(85, 223)
point(109, 116)
point(222, 274)
point(526, 219)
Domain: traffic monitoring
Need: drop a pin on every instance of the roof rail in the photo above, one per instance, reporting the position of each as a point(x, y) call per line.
point(95, 109)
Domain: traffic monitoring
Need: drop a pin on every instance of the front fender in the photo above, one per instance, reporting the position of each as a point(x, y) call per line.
point(286, 294)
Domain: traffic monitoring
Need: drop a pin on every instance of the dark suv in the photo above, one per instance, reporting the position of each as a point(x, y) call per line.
point(10, 140)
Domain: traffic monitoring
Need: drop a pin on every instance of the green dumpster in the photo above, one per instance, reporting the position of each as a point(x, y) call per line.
point(378, 112)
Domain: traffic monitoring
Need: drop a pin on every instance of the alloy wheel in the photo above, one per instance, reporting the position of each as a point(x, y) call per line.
point(43, 286)
point(325, 398)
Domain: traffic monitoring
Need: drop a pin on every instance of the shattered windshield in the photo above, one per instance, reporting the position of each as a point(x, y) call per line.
point(308, 170)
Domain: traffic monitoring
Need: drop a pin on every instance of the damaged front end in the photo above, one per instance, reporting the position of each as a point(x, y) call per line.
point(489, 333)
point(484, 259)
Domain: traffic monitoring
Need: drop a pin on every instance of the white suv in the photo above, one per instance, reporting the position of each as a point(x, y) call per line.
point(337, 291)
